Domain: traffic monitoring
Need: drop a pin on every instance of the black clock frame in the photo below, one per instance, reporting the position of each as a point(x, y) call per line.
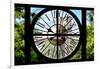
point(79, 25)
point(29, 32)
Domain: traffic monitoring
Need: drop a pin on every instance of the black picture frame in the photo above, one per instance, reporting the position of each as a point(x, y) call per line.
point(29, 33)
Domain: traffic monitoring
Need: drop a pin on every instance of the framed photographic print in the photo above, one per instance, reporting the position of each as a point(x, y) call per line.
point(52, 34)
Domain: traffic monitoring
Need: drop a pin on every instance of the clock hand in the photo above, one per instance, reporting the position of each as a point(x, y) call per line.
point(51, 38)
point(49, 30)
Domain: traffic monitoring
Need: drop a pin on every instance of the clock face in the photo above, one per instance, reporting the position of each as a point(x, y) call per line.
point(56, 33)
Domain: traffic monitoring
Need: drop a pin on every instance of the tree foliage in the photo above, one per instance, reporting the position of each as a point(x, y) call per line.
point(90, 35)
point(19, 44)
point(90, 42)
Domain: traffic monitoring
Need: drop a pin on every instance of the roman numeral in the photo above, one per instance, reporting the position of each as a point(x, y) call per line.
point(69, 48)
point(68, 20)
point(48, 52)
point(40, 43)
point(71, 26)
point(65, 16)
point(73, 42)
point(40, 24)
point(52, 17)
point(44, 47)
point(45, 22)
point(47, 17)
point(64, 51)
point(54, 52)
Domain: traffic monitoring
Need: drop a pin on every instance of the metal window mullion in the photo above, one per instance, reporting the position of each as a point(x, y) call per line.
point(83, 34)
point(27, 35)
